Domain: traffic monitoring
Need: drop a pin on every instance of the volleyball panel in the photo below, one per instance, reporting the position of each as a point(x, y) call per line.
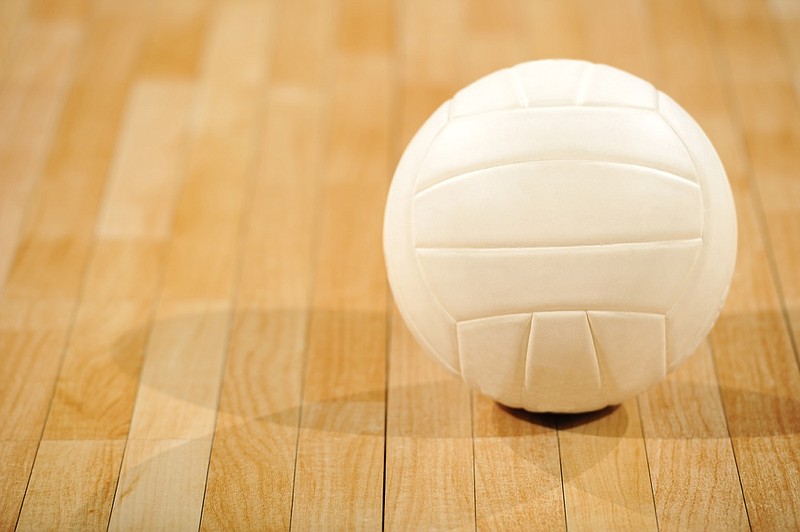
point(610, 356)
point(631, 349)
point(605, 85)
point(621, 135)
point(506, 338)
point(475, 283)
point(558, 203)
point(546, 83)
point(562, 370)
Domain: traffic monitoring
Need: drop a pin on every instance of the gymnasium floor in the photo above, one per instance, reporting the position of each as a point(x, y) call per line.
point(195, 325)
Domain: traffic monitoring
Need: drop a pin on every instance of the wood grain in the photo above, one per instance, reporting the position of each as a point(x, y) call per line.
point(340, 451)
point(195, 325)
point(161, 486)
point(176, 406)
point(705, 492)
point(16, 461)
point(31, 99)
point(33, 334)
point(94, 392)
point(605, 471)
point(145, 179)
point(757, 363)
point(98, 381)
point(428, 420)
point(253, 459)
point(696, 434)
point(72, 485)
point(518, 477)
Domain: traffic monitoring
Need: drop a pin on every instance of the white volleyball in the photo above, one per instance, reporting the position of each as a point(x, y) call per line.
point(560, 234)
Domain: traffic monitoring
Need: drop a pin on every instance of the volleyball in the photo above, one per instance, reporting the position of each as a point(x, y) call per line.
point(560, 234)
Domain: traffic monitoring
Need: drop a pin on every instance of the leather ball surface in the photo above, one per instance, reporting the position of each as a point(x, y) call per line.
point(560, 234)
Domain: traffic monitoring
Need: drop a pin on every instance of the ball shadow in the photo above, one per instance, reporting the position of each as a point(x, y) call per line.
point(557, 421)
point(757, 414)
point(519, 432)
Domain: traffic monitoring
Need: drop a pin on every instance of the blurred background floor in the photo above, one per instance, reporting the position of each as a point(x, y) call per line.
point(195, 326)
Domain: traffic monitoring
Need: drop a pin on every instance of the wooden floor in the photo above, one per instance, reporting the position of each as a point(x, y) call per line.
point(195, 325)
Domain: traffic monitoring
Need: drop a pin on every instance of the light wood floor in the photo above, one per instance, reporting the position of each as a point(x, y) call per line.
point(195, 325)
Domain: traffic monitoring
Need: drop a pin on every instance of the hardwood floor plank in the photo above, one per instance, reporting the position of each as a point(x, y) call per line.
point(684, 419)
point(263, 374)
point(763, 415)
point(177, 401)
point(99, 378)
point(48, 268)
point(768, 106)
point(786, 17)
point(758, 380)
point(251, 472)
point(692, 465)
point(13, 15)
point(72, 485)
point(173, 48)
point(57, 239)
point(429, 40)
point(339, 470)
point(301, 45)
point(428, 421)
point(57, 229)
point(179, 386)
point(441, 499)
point(97, 384)
point(44, 55)
point(495, 29)
point(753, 348)
point(85, 138)
point(59, 9)
point(605, 471)
point(165, 471)
point(32, 338)
point(428, 411)
point(225, 150)
point(282, 231)
point(339, 474)
point(365, 26)
point(32, 90)
point(125, 269)
point(517, 469)
point(261, 393)
point(195, 301)
point(149, 164)
point(555, 29)
point(16, 461)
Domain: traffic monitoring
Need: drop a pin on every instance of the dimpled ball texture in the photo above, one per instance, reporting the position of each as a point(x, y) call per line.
point(560, 234)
